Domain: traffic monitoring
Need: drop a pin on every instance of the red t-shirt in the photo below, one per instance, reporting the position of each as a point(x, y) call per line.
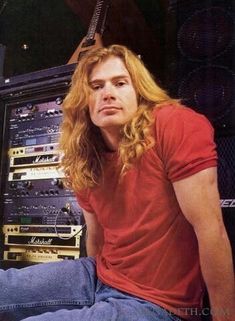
point(150, 249)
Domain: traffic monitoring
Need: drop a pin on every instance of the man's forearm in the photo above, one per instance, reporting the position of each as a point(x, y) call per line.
point(217, 270)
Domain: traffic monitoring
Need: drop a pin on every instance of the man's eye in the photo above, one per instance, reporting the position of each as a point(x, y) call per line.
point(96, 87)
point(120, 83)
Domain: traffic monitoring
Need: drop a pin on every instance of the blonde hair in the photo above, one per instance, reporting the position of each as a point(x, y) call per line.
point(81, 141)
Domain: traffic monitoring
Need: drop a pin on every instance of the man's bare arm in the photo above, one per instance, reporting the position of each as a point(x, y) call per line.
point(199, 200)
point(94, 237)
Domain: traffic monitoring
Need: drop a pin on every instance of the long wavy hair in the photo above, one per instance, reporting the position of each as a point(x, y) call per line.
point(81, 141)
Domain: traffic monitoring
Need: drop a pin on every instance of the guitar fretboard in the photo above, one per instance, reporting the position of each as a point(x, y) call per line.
point(98, 17)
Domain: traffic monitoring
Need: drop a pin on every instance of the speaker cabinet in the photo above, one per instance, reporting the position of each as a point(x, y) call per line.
point(226, 182)
point(200, 69)
point(200, 58)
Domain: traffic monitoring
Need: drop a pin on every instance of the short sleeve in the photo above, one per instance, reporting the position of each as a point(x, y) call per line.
point(185, 140)
point(83, 200)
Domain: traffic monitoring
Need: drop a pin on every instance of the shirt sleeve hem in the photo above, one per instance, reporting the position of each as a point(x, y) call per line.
point(194, 170)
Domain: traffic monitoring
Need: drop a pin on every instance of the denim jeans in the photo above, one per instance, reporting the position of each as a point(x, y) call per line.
point(69, 291)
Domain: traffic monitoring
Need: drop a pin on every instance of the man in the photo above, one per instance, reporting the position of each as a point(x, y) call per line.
point(144, 170)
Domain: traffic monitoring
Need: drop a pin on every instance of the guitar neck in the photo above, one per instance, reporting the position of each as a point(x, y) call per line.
point(95, 30)
point(98, 19)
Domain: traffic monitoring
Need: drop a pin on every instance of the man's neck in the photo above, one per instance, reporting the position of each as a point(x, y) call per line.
point(111, 138)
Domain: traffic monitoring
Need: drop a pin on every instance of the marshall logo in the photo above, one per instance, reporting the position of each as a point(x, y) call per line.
point(46, 159)
point(37, 241)
point(34, 160)
point(43, 240)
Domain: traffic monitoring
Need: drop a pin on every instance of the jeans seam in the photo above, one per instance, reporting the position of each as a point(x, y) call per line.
point(98, 286)
point(45, 303)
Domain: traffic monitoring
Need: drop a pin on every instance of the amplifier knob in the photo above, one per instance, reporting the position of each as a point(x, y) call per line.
point(28, 184)
point(32, 107)
point(18, 111)
point(29, 106)
point(59, 100)
point(13, 185)
point(65, 210)
point(57, 182)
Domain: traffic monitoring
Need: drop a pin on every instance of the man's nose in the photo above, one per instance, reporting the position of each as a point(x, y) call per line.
point(108, 92)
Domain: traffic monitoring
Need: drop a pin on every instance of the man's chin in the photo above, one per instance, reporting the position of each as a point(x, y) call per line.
point(111, 122)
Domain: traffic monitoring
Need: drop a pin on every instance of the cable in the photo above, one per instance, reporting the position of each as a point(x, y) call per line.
point(55, 226)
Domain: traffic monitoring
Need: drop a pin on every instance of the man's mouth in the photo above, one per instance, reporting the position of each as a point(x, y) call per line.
point(109, 108)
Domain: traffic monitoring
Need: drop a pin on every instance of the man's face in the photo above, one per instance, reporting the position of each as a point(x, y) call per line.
point(113, 100)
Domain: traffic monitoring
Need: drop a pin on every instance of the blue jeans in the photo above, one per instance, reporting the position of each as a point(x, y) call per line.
point(69, 291)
